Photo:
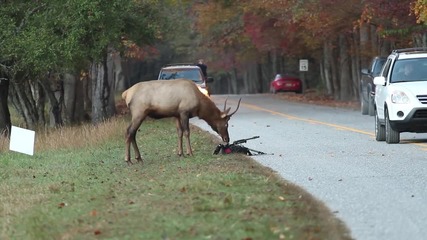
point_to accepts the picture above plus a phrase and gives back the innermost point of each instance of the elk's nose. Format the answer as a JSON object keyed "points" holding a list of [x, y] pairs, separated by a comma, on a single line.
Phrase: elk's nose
{"points": [[226, 139]]}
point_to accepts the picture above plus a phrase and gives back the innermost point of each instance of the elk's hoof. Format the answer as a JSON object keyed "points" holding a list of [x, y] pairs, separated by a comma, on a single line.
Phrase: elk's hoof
{"points": [[129, 162], [139, 159]]}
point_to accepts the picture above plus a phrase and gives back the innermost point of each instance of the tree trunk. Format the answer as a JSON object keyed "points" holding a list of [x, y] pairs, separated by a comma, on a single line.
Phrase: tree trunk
{"points": [[420, 39], [344, 63], [259, 78], [234, 82], [24, 102], [54, 90], [111, 78], [73, 99], [327, 72], [40, 100], [365, 45], [118, 73], [101, 92], [334, 70], [5, 122], [355, 66]]}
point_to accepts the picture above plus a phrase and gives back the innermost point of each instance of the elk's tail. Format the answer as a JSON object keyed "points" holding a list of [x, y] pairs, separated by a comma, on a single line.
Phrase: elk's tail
{"points": [[124, 95]]}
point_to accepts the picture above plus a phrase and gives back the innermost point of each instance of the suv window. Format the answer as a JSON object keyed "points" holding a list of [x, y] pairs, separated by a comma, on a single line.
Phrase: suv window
{"points": [[378, 66], [386, 68], [409, 70]]}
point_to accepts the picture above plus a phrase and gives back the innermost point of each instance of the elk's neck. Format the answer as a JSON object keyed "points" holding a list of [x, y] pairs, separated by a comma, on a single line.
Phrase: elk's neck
{"points": [[209, 112]]}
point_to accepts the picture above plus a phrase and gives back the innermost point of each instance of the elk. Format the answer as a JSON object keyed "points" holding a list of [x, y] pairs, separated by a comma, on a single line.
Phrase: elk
{"points": [[180, 99]]}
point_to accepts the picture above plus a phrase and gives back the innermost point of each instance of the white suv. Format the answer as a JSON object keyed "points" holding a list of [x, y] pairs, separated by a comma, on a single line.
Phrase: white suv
{"points": [[401, 95], [188, 71]]}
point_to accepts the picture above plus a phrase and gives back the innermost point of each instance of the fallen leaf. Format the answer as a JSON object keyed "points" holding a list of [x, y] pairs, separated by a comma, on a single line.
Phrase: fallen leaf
{"points": [[93, 213]]}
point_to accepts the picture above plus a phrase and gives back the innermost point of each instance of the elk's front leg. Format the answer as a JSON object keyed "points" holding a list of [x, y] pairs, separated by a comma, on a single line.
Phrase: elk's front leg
{"points": [[179, 131], [186, 129]]}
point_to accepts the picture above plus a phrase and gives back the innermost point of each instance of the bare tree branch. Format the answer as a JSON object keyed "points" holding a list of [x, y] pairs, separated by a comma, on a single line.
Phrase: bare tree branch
{"points": [[5, 67]]}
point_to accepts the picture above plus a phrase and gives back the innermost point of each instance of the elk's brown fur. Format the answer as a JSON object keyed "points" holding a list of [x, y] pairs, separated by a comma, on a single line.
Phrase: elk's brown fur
{"points": [[180, 99]]}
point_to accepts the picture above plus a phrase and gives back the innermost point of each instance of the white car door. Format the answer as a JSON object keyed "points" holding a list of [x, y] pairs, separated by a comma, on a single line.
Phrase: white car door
{"points": [[380, 88]]}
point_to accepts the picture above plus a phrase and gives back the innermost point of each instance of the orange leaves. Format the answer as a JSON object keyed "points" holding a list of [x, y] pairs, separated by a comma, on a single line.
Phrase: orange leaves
{"points": [[420, 9], [136, 52]]}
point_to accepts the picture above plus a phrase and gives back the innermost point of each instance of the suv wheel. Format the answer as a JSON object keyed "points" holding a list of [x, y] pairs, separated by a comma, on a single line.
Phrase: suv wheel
{"points": [[379, 129], [391, 136], [371, 106], [363, 105]]}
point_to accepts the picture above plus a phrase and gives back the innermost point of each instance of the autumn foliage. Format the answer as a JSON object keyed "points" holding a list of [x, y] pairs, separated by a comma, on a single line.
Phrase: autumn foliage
{"points": [[246, 31]]}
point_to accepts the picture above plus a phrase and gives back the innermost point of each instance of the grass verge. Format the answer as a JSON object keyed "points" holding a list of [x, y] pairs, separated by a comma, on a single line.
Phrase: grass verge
{"points": [[77, 186]]}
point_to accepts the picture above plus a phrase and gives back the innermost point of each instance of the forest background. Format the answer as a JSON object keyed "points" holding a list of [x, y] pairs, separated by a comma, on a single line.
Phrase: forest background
{"points": [[63, 63]]}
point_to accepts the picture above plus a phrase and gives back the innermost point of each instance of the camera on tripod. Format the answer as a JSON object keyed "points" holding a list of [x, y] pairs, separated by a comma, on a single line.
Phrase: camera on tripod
{"points": [[236, 147]]}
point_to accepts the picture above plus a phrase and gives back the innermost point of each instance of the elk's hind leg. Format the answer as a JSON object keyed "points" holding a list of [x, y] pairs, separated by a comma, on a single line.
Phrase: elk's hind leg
{"points": [[131, 139]]}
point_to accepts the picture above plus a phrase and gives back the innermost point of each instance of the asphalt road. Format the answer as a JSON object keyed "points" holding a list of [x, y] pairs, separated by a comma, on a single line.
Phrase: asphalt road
{"points": [[379, 190]]}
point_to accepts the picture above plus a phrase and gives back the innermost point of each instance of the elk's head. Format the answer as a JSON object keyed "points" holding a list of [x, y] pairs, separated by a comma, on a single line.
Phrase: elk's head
{"points": [[221, 125]]}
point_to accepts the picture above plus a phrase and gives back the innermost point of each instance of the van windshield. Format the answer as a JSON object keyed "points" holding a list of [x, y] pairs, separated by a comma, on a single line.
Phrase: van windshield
{"points": [[192, 74]]}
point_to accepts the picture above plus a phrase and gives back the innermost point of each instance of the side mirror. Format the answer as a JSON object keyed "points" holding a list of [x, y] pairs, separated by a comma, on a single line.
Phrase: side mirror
{"points": [[379, 81], [365, 71], [209, 79]]}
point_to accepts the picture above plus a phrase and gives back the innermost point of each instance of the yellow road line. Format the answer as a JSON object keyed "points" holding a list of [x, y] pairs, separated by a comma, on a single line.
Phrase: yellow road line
{"points": [[339, 127], [308, 120]]}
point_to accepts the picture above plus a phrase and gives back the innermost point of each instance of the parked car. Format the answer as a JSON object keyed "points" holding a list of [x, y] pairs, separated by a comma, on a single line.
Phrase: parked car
{"points": [[188, 71], [367, 86], [286, 83], [401, 95]]}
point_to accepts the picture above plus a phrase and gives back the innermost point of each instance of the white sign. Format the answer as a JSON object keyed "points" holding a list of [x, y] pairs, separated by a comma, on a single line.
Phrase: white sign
{"points": [[22, 140], [303, 65]]}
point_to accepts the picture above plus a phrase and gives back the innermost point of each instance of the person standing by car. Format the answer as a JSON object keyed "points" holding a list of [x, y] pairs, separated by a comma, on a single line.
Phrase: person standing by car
{"points": [[203, 67]]}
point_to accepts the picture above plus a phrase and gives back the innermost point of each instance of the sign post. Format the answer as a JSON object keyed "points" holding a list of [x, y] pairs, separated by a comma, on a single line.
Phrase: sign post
{"points": [[303, 68], [303, 65]]}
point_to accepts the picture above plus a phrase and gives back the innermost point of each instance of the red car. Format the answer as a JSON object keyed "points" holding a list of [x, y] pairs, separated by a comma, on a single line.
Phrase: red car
{"points": [[286, 83]]}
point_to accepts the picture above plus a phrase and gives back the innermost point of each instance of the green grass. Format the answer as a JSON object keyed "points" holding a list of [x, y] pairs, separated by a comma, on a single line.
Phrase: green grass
{"points": [[84, 190]]}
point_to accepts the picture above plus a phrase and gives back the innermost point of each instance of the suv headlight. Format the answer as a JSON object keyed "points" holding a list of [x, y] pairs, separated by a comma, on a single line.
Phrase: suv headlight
{"points": [[399, 97]]}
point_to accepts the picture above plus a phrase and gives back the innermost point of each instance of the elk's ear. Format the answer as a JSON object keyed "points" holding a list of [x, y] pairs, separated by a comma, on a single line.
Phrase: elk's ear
{"points": [[225, 113]]}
